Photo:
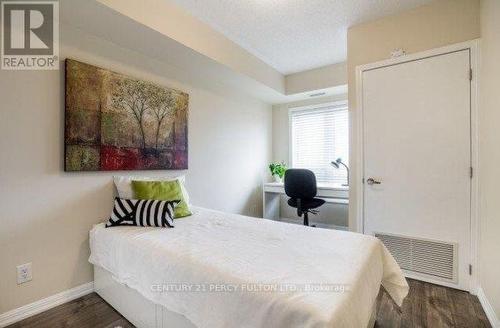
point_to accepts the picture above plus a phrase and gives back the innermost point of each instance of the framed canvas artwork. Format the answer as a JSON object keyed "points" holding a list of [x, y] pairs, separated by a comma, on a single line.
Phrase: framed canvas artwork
{"points": [[117, 122]]}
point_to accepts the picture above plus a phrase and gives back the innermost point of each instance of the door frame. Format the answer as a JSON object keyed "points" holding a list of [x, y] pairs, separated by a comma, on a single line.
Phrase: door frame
{"points": [[473, 47]]}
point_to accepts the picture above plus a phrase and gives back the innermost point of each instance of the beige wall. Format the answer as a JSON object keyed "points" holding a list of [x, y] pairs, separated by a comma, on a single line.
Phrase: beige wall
{"points": [[430, 26], [280, 124], [46, 213], [315, 79], [489, 151]]}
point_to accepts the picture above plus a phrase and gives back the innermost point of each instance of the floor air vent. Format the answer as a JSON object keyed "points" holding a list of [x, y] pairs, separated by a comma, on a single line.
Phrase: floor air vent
{"points": [[434, 258]]}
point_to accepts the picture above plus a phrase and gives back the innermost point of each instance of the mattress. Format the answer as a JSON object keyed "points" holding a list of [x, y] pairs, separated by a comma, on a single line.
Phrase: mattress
{"points": [[226, 270]]}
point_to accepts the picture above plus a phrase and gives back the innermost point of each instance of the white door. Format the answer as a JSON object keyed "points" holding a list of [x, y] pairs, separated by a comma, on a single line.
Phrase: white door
{"points": [[417, 144]]}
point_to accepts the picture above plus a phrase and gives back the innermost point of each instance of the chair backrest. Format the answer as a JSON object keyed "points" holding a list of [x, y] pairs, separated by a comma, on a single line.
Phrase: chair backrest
{"points": [[300, 183]]}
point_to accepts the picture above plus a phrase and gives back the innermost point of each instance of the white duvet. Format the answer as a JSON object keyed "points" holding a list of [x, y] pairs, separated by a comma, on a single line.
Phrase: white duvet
{"points": [[226, 270]]}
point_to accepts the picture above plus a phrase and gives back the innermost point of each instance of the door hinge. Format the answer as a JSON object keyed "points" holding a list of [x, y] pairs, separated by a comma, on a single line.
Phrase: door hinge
{"points": [[471, 172], [470, 74], [470, 269], [363, 180]]}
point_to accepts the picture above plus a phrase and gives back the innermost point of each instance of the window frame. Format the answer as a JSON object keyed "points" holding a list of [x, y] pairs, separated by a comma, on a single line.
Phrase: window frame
{"points": [[337, 105]]}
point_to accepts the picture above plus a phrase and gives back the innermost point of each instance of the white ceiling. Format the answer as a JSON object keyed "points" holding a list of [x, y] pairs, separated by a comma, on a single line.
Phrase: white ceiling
{"points": [[292, 35]]}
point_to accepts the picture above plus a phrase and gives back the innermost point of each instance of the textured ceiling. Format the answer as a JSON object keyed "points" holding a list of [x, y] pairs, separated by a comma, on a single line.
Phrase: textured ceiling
{"points": [[292, 35]]}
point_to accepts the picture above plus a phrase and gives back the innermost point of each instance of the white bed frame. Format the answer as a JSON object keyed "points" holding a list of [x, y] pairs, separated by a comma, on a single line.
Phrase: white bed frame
{"points": [[143, 313], [140, 311]]}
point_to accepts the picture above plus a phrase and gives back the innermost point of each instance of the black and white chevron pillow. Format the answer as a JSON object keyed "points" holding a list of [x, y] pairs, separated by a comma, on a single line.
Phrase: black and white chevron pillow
{"points": [[147, 212]]}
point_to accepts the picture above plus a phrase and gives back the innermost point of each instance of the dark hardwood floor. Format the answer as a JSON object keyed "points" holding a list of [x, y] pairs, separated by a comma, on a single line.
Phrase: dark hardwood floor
{"points": [[89, 311], [427, 305]]}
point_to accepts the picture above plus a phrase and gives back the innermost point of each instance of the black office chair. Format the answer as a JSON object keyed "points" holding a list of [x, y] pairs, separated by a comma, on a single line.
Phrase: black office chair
{"points": [[300, 186]]}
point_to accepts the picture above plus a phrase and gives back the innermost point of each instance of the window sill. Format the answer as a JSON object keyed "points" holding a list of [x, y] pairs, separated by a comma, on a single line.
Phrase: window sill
{"points": [[332, 186], [321, 185]]}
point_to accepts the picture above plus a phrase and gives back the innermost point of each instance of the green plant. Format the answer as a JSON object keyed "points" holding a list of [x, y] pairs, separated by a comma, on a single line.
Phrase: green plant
{"points": [[278, 169]]}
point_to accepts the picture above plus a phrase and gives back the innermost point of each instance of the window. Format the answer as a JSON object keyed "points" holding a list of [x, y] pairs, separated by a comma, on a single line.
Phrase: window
{"points": [[318, 136]]}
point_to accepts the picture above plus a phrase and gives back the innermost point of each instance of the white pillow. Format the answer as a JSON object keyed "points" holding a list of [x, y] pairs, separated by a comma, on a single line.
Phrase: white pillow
{"points": [[123, 185]]}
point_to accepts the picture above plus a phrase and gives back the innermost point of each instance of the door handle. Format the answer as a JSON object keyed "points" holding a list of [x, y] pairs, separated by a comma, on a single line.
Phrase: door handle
{"points": [[372, 181]]}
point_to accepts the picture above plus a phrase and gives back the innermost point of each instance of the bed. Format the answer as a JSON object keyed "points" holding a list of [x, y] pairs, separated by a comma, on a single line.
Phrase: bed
{"points": [[216, 269]]}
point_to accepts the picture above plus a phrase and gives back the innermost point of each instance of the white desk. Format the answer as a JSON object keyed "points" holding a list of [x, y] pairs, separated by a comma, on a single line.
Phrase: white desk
{"points": [[273, 191]]}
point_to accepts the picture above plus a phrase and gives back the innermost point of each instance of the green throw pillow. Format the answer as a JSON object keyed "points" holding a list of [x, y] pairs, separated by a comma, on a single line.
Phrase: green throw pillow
{"points": [[162, 190]]}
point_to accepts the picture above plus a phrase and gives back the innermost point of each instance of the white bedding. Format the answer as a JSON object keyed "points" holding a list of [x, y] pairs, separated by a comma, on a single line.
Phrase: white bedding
{"points": [[224, 270]]}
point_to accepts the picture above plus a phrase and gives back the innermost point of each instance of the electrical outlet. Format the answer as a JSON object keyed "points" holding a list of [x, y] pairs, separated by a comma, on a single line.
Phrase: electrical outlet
{"points": [[24, 273]]}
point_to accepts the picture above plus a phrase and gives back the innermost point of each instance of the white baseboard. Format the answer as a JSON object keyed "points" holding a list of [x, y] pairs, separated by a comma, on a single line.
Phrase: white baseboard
{"points": [[488, 309], [45, 304]]}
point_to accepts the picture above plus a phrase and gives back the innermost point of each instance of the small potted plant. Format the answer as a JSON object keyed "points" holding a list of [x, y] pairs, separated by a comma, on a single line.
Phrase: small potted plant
{"points": [[278, 171]]}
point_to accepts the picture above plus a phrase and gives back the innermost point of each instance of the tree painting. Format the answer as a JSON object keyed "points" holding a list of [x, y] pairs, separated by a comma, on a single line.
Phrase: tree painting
{"points": [[116, 122], [133, 95], [163, 105]]}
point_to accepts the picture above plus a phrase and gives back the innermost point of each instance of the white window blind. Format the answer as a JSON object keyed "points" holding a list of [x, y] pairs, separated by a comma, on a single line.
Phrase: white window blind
{"points": [[319, 136]]}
